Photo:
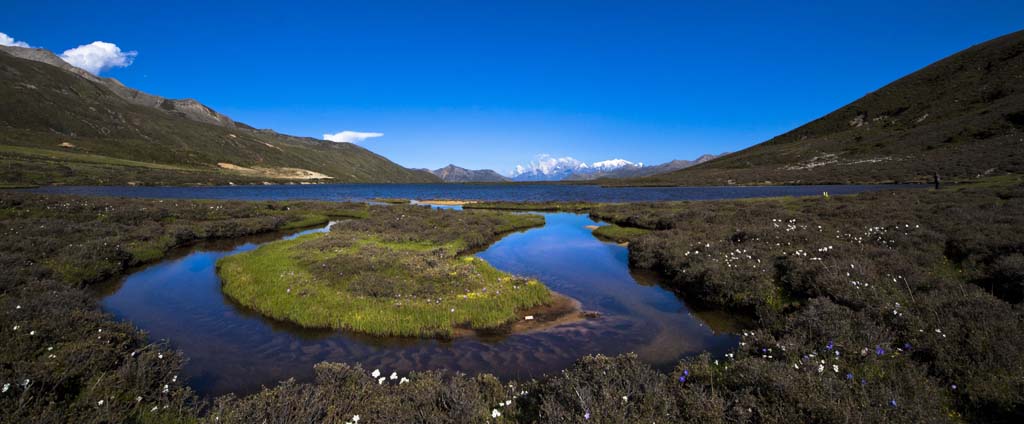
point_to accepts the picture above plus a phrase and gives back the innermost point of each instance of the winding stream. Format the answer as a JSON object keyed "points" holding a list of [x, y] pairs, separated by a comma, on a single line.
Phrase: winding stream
{"points": [[232, 349]]}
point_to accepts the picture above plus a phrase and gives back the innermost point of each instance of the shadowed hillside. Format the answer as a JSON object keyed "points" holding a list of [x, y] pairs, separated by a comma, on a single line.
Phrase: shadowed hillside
{"points": [[62, 125], [962, 117]]}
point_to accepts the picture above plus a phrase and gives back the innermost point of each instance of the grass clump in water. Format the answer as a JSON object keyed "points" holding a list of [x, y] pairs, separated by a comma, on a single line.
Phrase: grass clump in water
{"points": [[619, 234], [402, 271]]}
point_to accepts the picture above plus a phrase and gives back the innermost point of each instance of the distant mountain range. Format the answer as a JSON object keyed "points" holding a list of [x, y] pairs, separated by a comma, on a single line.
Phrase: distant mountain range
{"points": [[455, 174], [961, 117], [62, 125], [547, 168], [636, 171]]}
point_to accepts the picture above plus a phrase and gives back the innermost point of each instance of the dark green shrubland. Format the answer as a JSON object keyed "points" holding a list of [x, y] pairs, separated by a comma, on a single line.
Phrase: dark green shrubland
{"points": [[928, 278]]}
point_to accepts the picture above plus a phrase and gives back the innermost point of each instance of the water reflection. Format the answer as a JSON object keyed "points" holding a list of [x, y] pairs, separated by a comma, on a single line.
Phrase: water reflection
{"points": [[232, 349]]}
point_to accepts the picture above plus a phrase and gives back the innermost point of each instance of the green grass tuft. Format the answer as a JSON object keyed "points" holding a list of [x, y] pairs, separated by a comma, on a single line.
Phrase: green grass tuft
{"points": [[619, 234]]}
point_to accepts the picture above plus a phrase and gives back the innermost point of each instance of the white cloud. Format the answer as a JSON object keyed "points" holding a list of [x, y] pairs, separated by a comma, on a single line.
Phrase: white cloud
{"points": [[7, 40], [98, 56], [351, 136]]}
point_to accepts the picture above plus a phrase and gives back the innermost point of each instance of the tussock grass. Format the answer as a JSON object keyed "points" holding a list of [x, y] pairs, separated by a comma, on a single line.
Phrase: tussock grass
{"points": [[619, 234], [392, 200]]}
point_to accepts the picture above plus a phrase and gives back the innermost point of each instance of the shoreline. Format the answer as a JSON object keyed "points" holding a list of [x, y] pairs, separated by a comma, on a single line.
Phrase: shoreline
{"points": [[561, 310]]}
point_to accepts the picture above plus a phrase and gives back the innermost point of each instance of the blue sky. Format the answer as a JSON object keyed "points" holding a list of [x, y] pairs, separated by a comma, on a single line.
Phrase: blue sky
{"points": [[489, 84]]}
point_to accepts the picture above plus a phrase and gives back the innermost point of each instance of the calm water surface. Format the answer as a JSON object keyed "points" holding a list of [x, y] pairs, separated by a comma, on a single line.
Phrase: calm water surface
{"points": [[508, 192], [232, 349]]}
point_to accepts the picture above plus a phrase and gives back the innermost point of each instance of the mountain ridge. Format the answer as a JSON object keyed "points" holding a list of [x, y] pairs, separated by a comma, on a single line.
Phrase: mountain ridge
{"points": [[457, 174], [189, 108], [61, 125]]}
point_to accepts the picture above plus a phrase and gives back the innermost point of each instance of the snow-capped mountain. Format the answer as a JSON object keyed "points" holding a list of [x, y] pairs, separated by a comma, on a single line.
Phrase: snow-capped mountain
{"points": [[549, 168], [613, 164]]}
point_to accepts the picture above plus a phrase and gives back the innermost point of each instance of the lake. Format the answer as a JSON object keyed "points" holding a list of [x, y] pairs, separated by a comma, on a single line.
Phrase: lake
{"points": [[489, 192]]}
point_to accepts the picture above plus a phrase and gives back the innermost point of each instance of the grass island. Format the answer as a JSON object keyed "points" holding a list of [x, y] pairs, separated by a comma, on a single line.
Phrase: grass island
{"points": [[402, 271]]}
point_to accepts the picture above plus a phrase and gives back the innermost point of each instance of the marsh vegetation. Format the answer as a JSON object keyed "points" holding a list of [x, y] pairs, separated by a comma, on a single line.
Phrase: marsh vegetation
{"points": [[892, 306]]}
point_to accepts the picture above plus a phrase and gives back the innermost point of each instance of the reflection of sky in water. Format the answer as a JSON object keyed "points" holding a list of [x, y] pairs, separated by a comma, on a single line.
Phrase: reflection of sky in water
{"points": [[232, 349]]}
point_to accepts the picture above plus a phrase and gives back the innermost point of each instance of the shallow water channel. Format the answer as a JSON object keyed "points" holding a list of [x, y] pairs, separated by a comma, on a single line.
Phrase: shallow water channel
{"points": [[233, 349]]}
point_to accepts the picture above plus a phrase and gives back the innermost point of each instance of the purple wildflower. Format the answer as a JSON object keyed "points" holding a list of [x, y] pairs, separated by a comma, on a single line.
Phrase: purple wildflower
{"points": [[893, 403], [849, 376], [586, 416], [879, 351], [829, 346]]}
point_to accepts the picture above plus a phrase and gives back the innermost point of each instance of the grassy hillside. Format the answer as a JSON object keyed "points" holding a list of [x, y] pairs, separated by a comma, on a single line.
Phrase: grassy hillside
{"points": [[962, 117], [59, 127]]}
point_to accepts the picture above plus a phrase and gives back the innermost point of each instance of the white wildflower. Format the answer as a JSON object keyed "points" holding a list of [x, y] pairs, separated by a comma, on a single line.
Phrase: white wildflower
{"points": [[394, 376], [403, 380], [375, 373], [100, 403], [495, 413]]}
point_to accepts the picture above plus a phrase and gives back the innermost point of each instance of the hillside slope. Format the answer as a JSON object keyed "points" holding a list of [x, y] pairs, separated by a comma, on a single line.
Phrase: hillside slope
{"points": [[60, 126], [456, 174], [962, 117]]}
